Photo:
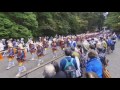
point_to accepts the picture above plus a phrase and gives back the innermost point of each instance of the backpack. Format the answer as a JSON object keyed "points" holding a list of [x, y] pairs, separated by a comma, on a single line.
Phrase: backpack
{"points": [[70, 69]]}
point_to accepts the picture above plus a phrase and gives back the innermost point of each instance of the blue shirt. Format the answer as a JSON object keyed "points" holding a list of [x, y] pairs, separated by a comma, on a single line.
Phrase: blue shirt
{"points": [[63, 62], [110, 42], [94, 65], [73, 44]]}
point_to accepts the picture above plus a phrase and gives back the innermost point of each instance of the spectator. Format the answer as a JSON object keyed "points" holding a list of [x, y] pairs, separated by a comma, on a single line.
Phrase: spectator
{"points": [[68, 64], [91, 75], [76, 55], [94, 64], [102, 57], [49, 71], [59, 73]]}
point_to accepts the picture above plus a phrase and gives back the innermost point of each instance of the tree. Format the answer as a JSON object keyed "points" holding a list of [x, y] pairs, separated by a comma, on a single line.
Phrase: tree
{"points": [[113, 21]]}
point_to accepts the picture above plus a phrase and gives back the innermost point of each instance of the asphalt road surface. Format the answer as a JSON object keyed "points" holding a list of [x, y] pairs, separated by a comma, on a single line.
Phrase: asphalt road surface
{"points": [[114, 62], [11, 73]]}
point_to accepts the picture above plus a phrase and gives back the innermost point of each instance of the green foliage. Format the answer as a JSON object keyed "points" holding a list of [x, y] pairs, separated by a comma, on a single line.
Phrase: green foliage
{"points": [[113, 20], [35, 24]]}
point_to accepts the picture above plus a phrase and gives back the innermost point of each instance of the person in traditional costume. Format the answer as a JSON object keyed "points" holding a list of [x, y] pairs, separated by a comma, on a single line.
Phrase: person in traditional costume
{"points": [[10, 55], [21, 58], [32, 50], [54, 47], [45, 45], [62, 44], [1, 50], [39, 52]]}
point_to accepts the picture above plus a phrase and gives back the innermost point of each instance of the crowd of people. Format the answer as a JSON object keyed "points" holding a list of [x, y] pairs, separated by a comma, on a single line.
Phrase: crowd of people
{"points": [[85, 54], [84, 58]]}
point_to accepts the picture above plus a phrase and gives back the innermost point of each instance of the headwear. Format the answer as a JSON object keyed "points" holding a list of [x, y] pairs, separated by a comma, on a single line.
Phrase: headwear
{"points": [[62, 39], [20, 46], [44, 39], [54, 39], [31, 42], [10, 44], [40, 44]]}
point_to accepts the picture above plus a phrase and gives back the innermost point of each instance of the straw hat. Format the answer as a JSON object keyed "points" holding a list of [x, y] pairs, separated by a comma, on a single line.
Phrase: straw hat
{"points": [[44, 39], [31, 42], [54, 39], [62, 39], [20, 46], [10, 45]]}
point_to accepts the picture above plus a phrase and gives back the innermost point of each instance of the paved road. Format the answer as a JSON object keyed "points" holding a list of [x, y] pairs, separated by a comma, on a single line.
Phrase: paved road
{"points": [[114, 63], [29, 65]]}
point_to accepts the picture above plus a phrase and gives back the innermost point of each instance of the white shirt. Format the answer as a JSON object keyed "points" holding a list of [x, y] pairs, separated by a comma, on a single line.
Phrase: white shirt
{"points": [[1, 47]]}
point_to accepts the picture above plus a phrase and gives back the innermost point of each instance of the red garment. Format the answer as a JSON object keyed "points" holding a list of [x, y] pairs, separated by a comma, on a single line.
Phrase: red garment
{"points": [[32, 48], [40, 50], [19, 55], [54, 46], [62, 44]]}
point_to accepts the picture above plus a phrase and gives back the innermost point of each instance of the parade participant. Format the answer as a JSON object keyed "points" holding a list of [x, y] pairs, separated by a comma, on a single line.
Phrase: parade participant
{"points": [[45, 45], [21, 57], [1, 56], [32, 49], [22, 41], [54, 47], [10, 55], [15, 46], [27, 46], [62, 44], [40, 53], [1, 46], [1, 49], [68, 41]]}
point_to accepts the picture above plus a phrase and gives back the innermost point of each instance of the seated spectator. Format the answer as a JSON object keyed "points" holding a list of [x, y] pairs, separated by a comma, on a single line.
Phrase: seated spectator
{"points": [[59, 73], [49, 71]]}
